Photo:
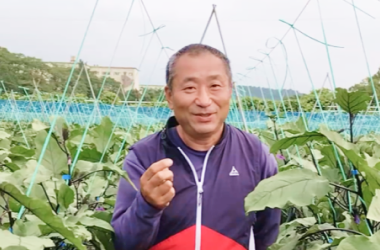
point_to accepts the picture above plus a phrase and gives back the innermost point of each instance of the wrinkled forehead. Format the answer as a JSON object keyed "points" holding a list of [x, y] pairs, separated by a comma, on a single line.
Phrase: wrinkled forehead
{"points": [[171, 66]]}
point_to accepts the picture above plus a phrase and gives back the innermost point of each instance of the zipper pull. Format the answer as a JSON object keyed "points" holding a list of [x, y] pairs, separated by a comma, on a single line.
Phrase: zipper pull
{"points": [[200, 192]]}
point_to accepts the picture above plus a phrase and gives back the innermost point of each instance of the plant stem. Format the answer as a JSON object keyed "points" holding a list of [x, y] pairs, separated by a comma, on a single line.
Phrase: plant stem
{"points": [[342, 187], [64, 150], [11, 220], [84, 176], [351, 117], [59, 144], [313, 158], [315, 162], [276, 135], [360, 193], [77, 195], [331, 229], [47, 196]]}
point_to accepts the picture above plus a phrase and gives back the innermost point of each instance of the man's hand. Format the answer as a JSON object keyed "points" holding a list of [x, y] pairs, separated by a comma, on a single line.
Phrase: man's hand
{"points": [[157, 184]]}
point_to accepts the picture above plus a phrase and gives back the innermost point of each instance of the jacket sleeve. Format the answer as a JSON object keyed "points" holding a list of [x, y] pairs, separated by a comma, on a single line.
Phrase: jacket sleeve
{"points": [[135, 221], [268, 221]]}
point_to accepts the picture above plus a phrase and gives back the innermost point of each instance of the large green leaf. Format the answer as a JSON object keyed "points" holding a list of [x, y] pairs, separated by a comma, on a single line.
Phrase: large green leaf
{"points": [[22, 151], [15, 248], [12, 241], [332, 174], [96, 186], [318, 246], [26, 174], [329, 158], [290, 244], [336, 138], [95, 222], [374, 208], [89, 154], [288, 236], [76, 135], [104, 237], [43, 211], [4, 135], [11, 166], [304, 163], [102, 134], [299, 140], [60, 126], [54, 158], [83, 168], [65, 195], [121, 172], [5, 144], [37, 125], [297, 186], [297, 127], [26, 228], [357, 242], [372, 175], [3, 155], [352, 102], [267, 137]]}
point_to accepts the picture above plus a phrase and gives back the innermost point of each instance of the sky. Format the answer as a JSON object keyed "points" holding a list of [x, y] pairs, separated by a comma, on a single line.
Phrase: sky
{"points": [[54, 30]]}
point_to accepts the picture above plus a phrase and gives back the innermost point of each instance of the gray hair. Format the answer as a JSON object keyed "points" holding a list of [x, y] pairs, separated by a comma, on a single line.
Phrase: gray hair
{"points": [[194, 49]]}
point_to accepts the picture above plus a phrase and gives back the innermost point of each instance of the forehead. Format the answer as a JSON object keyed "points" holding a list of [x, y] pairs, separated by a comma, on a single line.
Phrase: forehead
{"points": [[199, 62]]}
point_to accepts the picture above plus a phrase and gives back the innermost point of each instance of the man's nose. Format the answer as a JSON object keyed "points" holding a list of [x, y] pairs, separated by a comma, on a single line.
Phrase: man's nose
{"points": [[203, 98]]}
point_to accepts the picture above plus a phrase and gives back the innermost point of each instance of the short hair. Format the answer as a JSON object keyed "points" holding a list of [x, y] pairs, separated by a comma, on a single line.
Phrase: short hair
{"points": [[194, 49]]}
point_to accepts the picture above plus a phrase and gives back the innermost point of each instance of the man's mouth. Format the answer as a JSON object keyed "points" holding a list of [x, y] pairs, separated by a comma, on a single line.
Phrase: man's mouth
{"points": [[204, 115]]}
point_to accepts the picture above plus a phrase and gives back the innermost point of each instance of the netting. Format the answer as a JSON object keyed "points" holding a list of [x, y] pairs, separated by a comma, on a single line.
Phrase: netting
{"points": [[122, 116], [272, 76]]}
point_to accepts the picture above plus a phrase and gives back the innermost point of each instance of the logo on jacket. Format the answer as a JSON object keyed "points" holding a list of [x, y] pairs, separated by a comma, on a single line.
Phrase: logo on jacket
{"points": [[234, 172]]}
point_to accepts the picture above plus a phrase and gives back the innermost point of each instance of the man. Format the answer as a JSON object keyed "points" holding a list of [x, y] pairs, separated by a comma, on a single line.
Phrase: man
{"points": [[193, 175]]}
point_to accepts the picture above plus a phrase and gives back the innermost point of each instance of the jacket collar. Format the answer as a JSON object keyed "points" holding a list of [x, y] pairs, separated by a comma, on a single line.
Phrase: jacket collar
{"points": [[172, 122]]}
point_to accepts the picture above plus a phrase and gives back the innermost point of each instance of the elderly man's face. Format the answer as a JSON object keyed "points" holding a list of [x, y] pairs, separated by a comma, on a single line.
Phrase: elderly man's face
{"points": [[200, 94]]}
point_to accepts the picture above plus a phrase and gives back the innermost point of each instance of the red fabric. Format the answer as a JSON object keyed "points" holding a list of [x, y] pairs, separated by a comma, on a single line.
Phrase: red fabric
{"points": [[185, 240]]}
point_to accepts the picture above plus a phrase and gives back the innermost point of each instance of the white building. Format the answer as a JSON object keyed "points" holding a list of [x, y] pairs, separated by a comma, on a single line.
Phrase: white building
{"points": [[127, 76]]}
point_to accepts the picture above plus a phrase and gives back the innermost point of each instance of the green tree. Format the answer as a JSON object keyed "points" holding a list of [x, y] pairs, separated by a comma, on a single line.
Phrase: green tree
{"points": [[18, 70], [366, 85]]}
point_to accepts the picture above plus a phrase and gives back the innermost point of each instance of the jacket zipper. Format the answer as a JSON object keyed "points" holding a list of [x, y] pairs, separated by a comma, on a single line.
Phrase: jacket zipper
{"points": [[198, 221]]}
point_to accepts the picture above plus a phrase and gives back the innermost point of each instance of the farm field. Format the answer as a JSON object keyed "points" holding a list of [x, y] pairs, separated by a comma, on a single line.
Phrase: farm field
{"points": [[60, 195], [76, 91]]}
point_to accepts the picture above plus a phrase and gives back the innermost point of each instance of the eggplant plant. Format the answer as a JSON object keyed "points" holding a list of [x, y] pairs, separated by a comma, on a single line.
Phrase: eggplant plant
{"points": [[333, 188], [67, 202]]}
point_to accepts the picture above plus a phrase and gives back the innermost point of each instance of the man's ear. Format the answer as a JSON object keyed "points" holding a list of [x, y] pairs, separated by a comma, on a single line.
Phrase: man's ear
{"points": [[169, 95]]}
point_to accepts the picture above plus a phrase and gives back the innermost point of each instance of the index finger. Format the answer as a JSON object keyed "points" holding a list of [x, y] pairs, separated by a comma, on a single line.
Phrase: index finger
{"points": [[157, 167]]}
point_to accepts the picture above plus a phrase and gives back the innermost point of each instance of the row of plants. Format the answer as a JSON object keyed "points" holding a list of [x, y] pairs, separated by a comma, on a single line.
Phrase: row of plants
{"points": [[70, 204], [327, 185], [155, 98]]}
